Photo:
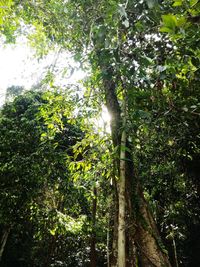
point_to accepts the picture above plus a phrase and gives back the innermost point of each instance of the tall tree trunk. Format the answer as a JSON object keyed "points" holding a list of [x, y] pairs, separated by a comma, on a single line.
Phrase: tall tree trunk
{"points": [[122, 205], [50, 251], [4, 241], [145, 236], [148, 240], [175, 251], [114, 219], [93, 256], [108, 244]]}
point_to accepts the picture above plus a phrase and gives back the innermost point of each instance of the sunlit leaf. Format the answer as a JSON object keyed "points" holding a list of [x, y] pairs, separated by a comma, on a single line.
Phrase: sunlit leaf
{"points": [[178, 3], [193, 2], [169, 21]]}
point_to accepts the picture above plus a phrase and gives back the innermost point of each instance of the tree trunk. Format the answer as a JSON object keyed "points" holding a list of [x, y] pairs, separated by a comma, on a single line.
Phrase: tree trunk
{"points": [[93, 257], [145, 237], [50, 250], [114, 219], [4, 241], [175, 252], [148, 241], [108, 244], [122, 205]]}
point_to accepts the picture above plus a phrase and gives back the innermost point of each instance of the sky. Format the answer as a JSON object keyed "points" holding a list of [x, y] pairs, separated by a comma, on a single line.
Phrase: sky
{"points": [[19, 66]]}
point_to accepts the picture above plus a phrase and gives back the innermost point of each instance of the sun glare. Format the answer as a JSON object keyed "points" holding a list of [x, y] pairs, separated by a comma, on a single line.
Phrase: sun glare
{"points": [[19, 66], [105, 115], [103, 122]]}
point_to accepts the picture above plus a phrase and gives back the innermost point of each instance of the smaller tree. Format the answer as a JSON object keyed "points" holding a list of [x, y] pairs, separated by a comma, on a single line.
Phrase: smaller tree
{"points": [[13, 91], [39, 201]]}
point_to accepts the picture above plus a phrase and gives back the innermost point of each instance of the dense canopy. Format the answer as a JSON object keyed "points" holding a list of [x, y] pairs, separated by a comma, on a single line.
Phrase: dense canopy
{"points": [[75, 192]]}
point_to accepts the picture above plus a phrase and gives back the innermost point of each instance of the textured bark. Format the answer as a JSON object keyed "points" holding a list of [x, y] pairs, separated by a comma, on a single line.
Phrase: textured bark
{"points": [[147, 238], [112, 105], [116, 124]]}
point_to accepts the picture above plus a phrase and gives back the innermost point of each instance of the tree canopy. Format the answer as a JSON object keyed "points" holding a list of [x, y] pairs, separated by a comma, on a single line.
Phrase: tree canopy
{"points": [[131, 195]]}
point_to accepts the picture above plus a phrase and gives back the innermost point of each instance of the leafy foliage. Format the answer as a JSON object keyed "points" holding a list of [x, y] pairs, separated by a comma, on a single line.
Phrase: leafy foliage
{"points": [[38, 191], [149, 51]]}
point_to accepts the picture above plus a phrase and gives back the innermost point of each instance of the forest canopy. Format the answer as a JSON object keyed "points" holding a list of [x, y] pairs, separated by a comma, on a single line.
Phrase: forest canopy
{"points": [[72, 191]]}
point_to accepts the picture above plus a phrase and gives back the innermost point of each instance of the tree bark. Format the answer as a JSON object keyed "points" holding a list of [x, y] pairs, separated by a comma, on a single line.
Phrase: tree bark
{"points": [[122, 205], [4, 241], [93, 256], [145, 239], [114, 218], [108, 244], [175, 252]]}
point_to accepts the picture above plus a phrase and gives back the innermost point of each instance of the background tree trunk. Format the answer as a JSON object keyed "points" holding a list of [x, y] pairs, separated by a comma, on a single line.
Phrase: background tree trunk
{"points": [[4, 241], [122, 205], [93, 256], [114, 215]]}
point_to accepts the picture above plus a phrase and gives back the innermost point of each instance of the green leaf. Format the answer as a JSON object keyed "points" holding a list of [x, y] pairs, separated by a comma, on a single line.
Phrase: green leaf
{"points": [[181, 21], [125, 148], [177, 3], [193, 2], [43, 134], [169, 21], [139, 26], [52, 232], [165, 29], [185, 109], [193, 106]]}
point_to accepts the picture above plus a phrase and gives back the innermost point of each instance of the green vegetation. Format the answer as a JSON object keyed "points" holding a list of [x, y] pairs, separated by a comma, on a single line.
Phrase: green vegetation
{"points": [[75, 194]]}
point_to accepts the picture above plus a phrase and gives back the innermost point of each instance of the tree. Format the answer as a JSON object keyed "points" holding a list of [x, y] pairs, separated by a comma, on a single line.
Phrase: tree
{"points": [[142, 72], [112, 81], [108, 36], [13, 91], [36, 189]]}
